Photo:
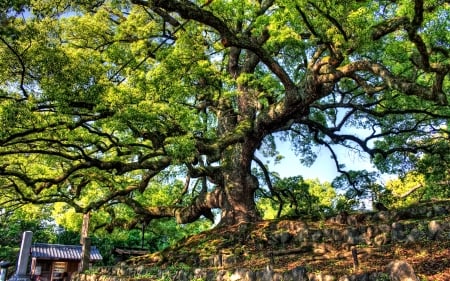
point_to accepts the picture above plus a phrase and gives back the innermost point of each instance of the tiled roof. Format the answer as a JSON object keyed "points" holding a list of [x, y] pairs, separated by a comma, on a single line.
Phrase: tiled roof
{"points": [[63, 252]]}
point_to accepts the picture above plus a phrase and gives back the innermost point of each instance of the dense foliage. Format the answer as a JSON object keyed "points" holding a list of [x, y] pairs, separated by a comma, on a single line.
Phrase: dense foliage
{"points": [[140, 110]]}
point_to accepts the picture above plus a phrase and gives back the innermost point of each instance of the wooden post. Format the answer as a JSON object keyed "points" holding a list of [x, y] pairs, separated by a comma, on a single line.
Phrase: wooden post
{"points": [[355, 258]]}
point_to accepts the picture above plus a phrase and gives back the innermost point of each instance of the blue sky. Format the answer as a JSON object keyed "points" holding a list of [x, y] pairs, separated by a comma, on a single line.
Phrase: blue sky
{"points": [[323, 169]]}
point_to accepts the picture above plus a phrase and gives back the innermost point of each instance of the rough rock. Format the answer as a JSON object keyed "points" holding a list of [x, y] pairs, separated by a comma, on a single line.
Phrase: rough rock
{"points": [[401, 271]]}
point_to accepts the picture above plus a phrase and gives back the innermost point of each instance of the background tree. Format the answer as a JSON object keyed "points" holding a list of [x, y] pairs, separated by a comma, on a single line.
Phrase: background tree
{"points": [[13, 222], [406, 190], [100, 101], [360, 188], [296, 197], [423, 176]]}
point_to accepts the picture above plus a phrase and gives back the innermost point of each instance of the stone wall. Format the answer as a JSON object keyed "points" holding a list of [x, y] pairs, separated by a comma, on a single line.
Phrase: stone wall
{"points": [[341, 235], [241, 274]]}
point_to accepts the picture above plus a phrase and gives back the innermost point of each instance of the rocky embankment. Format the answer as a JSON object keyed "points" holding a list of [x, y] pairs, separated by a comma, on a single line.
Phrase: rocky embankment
{"points": [[362, 246]]}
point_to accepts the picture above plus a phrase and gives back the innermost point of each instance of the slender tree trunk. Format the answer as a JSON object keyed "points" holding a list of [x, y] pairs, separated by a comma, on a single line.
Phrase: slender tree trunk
{"points": [[85, 254], [85, 227], [85, 243]]}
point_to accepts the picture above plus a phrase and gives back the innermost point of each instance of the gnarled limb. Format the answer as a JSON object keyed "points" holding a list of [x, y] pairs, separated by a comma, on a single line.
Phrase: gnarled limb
{"points": [[201, 206], [394, 82]]}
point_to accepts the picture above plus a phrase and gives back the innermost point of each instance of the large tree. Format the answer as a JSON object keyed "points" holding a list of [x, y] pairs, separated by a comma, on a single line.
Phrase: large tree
{"points": [[100, 102]]}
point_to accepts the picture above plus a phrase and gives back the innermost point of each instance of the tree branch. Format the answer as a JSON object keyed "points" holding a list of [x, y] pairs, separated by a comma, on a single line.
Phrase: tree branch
{"points": [[388, 26], [409, 88], [269, 184], [331, 19], [202, 205], [189, 10], [22, 66]]}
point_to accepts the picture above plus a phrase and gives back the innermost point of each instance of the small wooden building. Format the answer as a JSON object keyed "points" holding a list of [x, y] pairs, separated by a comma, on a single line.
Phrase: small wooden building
{"points": [[54, 262]]}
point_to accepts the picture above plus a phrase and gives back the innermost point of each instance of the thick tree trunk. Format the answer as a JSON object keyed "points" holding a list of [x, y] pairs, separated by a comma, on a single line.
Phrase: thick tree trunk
{"points": [[239, 205], [239, 186]]}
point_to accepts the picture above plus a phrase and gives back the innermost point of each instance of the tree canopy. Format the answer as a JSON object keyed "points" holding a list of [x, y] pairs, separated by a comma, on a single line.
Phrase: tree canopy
{"points": [[155, 108]]}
